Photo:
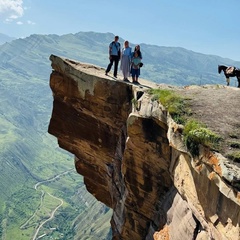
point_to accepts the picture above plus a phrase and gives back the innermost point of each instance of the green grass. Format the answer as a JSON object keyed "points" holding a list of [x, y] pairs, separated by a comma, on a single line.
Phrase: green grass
{"points": [[196, 133], [234, 144], [235, 156], [233, 135], [66, 187], [175, 104]]}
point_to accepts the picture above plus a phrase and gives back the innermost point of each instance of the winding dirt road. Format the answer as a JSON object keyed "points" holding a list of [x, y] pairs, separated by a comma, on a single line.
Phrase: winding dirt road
{"points": [[50, 218], [24, 226]]}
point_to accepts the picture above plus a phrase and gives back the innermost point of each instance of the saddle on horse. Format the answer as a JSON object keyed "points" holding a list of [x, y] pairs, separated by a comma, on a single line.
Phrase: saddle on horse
{"points": [[230, 70]]}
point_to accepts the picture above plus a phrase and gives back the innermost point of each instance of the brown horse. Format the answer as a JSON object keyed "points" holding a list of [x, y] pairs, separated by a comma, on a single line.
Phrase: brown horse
{"points": [[230, 72]]}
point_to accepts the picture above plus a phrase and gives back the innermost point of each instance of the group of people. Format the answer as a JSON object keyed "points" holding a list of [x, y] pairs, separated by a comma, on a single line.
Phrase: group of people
{"points": [[130, 60]]}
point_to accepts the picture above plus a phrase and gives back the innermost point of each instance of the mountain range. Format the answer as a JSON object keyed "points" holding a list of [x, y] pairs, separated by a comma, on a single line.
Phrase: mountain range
{"points": [[5, 38], [28, 153]]}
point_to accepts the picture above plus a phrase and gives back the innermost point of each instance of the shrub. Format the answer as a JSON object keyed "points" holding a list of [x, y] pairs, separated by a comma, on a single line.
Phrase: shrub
{"points": [[196, 133]]}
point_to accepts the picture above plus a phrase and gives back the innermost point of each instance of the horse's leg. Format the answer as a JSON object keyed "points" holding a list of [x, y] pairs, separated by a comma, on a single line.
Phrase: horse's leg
{"points": [[238, 78], [228, 80]]}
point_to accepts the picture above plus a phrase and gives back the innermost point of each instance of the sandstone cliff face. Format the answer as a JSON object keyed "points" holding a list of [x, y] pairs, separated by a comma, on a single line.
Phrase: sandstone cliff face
{"points": [[133, 160]]}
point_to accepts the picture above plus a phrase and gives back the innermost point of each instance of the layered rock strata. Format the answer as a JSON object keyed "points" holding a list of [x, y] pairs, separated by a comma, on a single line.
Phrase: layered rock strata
{"points": [[132, 158]]}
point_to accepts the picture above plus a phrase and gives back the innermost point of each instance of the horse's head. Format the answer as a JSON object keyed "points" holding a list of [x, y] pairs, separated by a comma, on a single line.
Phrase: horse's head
{"points": [[221, 68]]}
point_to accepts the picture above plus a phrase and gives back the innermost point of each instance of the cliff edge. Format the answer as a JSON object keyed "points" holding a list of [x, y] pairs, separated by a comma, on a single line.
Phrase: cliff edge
{"points": [[132, 157]]}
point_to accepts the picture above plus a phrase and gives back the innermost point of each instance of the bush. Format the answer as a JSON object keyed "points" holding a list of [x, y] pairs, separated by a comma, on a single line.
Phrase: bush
{"points": [[195, 134]]}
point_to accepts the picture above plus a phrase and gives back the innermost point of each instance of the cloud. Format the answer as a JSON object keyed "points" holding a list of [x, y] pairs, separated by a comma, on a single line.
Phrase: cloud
{"points": [[11, 9], [30, 22]]}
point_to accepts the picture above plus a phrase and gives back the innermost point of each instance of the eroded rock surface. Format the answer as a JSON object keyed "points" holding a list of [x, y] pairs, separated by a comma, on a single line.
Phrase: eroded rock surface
{"points": [[132, 157]]}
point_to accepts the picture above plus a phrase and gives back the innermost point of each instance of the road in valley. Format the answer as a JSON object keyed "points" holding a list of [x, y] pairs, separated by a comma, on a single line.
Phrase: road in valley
{"points": [[24, 226]]}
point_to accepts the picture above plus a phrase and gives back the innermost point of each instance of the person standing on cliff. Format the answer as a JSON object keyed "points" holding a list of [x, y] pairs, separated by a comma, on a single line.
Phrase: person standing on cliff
{"points": [[137, 49], [126, 56], [114, 56], [136, 61]]}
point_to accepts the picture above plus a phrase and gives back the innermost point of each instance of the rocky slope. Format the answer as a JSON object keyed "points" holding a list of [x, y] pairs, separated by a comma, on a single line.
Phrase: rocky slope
{"points": [[132, 157]]}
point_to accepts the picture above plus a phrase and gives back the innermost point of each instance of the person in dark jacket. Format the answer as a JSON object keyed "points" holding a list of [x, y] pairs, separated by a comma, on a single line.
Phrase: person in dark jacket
{"points": [[114, 56]]}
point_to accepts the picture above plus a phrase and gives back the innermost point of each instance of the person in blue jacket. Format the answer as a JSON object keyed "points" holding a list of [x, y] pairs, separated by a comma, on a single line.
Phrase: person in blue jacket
{"points": [[114, 56]]}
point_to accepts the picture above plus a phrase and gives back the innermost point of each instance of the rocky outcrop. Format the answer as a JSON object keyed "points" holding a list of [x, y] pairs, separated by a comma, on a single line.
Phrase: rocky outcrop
{"points": [[132, 157]]}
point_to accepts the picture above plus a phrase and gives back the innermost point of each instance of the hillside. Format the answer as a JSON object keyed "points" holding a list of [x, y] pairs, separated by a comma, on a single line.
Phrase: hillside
{"points": [[171, 65], [28, 152], [4, 38]]}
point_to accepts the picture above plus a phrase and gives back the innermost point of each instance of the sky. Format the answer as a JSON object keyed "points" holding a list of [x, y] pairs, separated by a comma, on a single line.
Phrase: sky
{"points": [[204, 26]]}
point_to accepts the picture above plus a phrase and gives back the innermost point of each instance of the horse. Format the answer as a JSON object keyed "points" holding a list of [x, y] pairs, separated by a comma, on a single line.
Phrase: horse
{"points": [[230, 72]]}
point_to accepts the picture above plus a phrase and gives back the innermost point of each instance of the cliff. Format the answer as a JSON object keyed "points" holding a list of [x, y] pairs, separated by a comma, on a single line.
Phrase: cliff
{"points": [[132, 157]]}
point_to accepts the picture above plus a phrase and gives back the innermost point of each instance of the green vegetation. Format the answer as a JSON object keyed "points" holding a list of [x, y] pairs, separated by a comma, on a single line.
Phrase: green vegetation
{"points": [[136, 104], [195, 133], [233, 135], [174, 103], [235, 144], [29, 208], [235, 156], [28, 153]]}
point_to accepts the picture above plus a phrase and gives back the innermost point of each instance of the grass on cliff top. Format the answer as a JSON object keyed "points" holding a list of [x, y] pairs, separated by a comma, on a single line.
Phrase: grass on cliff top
{"points": [[195, 133], [174, 103], [235, 156]]}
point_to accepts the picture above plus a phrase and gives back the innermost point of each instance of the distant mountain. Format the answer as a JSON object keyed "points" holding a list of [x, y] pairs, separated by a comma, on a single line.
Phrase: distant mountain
{"points": [[179, 66], [171, 65], [4, 38], [28, 152]]}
